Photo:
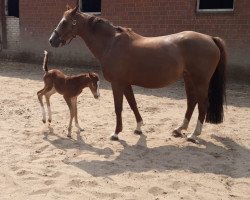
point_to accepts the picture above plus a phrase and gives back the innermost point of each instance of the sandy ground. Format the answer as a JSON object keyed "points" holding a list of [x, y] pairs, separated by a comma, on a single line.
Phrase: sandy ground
{"points": [[38, 162]]}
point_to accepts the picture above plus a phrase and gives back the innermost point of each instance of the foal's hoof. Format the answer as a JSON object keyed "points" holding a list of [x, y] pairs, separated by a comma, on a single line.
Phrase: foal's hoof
{"points": [[69, 136], [114, 137], [44, 121], [136, 132], [49, 120], [176, 134]]}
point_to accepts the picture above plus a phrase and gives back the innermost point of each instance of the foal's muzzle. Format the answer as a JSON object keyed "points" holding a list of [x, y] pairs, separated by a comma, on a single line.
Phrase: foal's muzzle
{"points": [[96, 96]]}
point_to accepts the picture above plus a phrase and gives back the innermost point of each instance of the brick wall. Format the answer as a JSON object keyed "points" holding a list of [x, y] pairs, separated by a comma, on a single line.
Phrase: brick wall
{"points": [[13, 33], [38, 19], [147, 17]]}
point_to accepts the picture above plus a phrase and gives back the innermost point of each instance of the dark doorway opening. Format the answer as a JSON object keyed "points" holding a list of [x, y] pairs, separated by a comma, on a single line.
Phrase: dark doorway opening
{"points": [[216, 4], [93, 6], [13, 8]]}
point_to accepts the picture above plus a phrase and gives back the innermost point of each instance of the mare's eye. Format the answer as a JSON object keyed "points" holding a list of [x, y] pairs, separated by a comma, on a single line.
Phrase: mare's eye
{"points": [[64, 22]]}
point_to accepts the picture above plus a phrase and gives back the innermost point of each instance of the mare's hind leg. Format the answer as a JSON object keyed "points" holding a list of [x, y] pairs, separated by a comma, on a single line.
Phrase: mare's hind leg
{"points": [[191, 103], [129, 94], [202, 98]]}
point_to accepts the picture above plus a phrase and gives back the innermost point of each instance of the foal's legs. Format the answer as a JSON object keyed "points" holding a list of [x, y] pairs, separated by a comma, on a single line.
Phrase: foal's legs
{"points": [[129, 94], [40, 98], [202, 97], [191, 102], [74, 103], [72, 114], [47, 97], [118, 91]]}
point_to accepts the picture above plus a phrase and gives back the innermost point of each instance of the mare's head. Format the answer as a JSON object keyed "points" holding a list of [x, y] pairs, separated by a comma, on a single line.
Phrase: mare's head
{"points": [[94, 84], [66, 30]]}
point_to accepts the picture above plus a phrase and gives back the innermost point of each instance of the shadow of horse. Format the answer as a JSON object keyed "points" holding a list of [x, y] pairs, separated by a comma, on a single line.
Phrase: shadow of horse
{"points": [[68, 143], [206, 158]]}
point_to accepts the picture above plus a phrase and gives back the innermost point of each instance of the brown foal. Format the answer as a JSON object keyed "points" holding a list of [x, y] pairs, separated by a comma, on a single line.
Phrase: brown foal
{"points": [[68, 86]]}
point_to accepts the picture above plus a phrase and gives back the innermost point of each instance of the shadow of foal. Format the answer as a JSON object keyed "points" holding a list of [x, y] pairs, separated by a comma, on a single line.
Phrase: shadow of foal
{"points": [[68, 143]]}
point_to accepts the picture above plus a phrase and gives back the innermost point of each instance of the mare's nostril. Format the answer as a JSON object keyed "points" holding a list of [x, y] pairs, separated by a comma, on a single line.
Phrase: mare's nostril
{"points": [[50, 41]]}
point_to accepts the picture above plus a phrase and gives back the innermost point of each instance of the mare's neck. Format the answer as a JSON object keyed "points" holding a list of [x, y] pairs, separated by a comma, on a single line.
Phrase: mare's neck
{"points": [[97, 42]]}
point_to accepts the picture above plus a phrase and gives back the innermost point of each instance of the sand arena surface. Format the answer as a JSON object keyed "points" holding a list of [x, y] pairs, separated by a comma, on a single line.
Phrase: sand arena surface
{"points": [[38, 162]]}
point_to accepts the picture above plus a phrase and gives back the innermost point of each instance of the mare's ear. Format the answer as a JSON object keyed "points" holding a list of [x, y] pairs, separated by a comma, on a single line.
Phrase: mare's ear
{"points": [[68, 7], [73, 12]]}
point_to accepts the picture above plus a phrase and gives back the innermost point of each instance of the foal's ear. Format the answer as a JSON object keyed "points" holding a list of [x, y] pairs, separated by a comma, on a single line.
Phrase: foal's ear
{"points": [[93, 75]]}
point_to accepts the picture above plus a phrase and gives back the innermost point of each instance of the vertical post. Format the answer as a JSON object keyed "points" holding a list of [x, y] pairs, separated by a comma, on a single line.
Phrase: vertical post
{"points": [[3, 24], [80, 5]]}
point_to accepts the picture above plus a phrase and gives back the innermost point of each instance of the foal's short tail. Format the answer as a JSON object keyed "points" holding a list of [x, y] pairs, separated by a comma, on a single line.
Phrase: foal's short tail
{"points": [[217, 87], [45, 61]]}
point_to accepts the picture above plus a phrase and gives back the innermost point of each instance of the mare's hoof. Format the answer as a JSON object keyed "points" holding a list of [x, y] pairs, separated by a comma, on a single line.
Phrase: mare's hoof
{"points": [[80, 129], [69, 136], [114, 137], [44, 121], [176, 134], [193, 140], [49, 120], [137, 132]]}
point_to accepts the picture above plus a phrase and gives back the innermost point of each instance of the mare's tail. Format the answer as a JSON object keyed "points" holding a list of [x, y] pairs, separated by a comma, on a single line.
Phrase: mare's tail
{"points": [[217, 87]]}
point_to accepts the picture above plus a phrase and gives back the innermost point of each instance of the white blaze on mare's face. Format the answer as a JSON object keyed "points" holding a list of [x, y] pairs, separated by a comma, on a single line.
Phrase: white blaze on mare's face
{"points": [[63, 19]]}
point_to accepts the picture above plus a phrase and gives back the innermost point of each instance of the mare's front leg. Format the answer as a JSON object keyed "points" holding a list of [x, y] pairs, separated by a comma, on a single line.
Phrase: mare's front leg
{"points": [[118, 90], [129, 94]]}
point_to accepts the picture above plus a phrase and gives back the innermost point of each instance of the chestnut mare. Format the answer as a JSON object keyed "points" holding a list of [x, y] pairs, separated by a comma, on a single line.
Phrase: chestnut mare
{"points": [[128, 58]]}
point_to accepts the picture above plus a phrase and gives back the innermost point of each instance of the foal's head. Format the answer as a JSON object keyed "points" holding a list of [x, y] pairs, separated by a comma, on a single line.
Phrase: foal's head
{"points": [[94, 84], [66, 30]]}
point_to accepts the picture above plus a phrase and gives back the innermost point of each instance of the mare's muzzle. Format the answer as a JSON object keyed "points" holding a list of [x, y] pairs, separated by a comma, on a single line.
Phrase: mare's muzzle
{"points": [[55, 40]]}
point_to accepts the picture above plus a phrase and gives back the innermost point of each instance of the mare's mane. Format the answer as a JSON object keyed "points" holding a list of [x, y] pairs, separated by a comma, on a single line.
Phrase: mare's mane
{"points": [[96, 23]]}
